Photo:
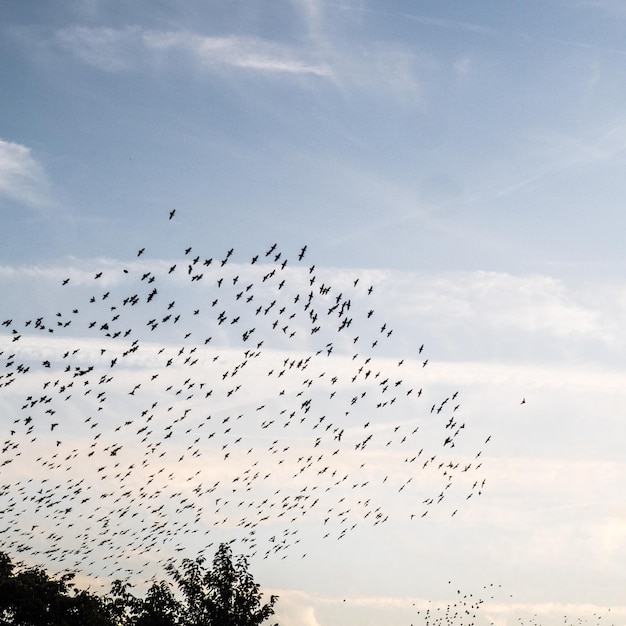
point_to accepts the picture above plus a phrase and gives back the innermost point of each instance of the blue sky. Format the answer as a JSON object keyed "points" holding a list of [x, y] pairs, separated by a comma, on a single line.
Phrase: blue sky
{"points": [[464, 158]]}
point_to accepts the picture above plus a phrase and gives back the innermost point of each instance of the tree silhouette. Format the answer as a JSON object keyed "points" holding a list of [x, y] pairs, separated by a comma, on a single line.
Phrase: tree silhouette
{"points": [[30, 597], [159, 608], [225, 595]]}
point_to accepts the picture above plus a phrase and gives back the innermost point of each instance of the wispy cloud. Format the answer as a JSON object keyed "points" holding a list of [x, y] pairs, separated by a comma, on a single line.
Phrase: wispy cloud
{"points": [[22, 178], [382, 68], [108, 49], [125, 49], [240, 52]]}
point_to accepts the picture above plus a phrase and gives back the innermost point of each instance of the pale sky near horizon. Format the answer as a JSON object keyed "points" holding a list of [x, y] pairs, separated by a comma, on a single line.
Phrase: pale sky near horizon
{"points": [[465, 159]]}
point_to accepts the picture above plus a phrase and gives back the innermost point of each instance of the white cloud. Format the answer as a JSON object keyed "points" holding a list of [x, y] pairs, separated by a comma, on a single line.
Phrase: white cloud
{"points": [[21, 177], [488, 308], [471, 317], [524, 330]]}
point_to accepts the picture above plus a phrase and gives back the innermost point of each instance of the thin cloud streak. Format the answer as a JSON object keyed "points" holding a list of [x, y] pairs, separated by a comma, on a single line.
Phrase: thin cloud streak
{"points": [[421, 19], [239, 52], [552, 154], [117, 50]]}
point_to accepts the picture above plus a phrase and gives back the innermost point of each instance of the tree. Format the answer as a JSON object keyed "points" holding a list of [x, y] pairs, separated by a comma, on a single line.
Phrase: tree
{"points": [[30, 597], [122, 604], [225, 595], [159, 608]]}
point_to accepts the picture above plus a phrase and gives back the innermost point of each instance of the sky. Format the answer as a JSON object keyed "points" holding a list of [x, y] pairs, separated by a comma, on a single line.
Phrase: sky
{"points": [[464, 160]]}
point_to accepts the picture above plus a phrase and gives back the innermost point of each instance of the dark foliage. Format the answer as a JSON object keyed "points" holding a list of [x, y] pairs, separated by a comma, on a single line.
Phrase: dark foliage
{"points": [[225, 595], [30, 597]]}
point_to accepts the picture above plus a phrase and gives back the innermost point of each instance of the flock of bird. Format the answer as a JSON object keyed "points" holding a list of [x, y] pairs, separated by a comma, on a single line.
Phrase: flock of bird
{"points": [[165, 406], [491, 606]]}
